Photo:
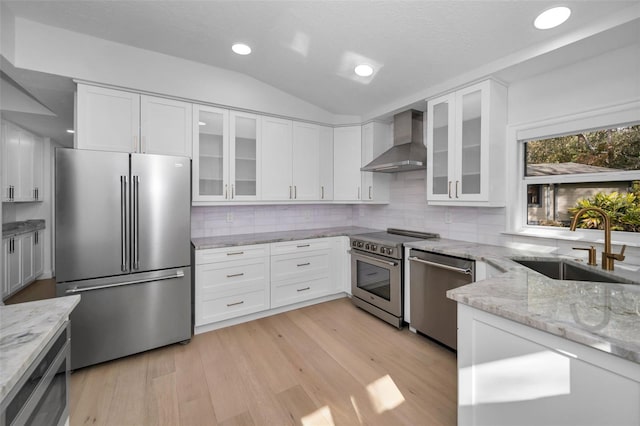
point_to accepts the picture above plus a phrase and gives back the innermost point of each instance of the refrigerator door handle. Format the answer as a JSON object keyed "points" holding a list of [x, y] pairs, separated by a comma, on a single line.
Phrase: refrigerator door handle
{"points": [[135, 222], [178, 274], [123, 222]]}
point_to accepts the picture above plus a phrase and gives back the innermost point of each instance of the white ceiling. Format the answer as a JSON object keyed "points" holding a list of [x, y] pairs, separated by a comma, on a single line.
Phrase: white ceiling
{"points": [[309, 48]]}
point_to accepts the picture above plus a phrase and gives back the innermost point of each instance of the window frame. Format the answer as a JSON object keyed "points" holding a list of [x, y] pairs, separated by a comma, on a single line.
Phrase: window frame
{"points": [[619, 115]]}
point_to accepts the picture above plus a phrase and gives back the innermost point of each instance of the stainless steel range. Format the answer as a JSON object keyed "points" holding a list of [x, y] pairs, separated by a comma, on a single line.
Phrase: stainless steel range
{"points": [[377, 271]]}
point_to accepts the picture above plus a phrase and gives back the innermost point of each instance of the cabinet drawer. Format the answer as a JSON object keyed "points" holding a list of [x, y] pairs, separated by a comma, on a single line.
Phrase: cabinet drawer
{"points": [[299, 266], [286, 294], [215, 276], [230, 306], [300, 246], [231, 253]]}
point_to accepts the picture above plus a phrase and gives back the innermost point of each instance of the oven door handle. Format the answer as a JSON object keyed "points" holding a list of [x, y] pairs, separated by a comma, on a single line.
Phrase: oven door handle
{"points": [[441, 266], [373, 259]]}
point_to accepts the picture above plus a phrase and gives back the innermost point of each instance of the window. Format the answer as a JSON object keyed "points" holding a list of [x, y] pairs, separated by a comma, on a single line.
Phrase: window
{"points": [[593, 168]]}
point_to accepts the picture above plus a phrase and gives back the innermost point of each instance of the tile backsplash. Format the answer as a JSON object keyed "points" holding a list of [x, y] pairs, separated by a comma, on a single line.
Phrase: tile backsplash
{"points": [[407, 209]]}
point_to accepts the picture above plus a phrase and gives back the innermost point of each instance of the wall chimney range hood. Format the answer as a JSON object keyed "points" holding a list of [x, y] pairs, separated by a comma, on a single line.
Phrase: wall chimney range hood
{"points": [[408, 151]]}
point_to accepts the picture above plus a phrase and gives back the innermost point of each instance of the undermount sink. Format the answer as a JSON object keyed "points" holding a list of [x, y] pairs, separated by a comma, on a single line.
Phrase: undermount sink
{"points": [[559, 269]]}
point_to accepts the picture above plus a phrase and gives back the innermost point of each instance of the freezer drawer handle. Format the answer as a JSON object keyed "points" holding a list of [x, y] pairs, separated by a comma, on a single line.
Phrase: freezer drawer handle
{"points": [[304, 264], [178, 274], [303, 245], [303, 289], [465, 271]]}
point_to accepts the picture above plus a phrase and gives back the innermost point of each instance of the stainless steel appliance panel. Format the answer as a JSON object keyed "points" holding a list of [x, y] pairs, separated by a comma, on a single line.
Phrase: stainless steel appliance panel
{"points": [[133, 314], [160, 211], [91, 214], [431, 276], [377, 280]]}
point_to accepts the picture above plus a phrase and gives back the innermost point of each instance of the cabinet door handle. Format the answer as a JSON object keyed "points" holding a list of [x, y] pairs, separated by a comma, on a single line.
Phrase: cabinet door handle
{"points": [[235, 304], [303, 289], [235, 253], [304, 264], [295, 192], [290, 191], [233, 191], [322, 192], [449, 189], [235, 275], [371, 198], [303, 245], [358, 193], [226, 191], [457, 183]]}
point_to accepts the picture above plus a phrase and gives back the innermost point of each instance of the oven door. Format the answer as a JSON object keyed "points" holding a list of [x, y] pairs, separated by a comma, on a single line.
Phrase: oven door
{"points": [[377, 280]]}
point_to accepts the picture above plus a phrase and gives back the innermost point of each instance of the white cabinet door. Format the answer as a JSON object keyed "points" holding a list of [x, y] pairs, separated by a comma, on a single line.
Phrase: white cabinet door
{"points": [[26, 258], [245, 148], [25, 191], [347, 153], [107, 119], [38, 253], [465, 139], [165, 126], [306, 161], [11, 248], [210, 173], [38, 169], [326, 163], [10, 161], [276, 161], [376, 139]]}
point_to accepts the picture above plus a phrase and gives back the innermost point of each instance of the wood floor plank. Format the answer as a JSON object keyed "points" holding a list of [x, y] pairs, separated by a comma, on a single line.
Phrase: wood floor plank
{"points": [[330, 363]]}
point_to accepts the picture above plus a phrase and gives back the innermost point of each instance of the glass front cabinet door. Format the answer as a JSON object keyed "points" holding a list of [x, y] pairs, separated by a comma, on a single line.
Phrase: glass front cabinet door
{"points": [[225, 148], [466, 145]]}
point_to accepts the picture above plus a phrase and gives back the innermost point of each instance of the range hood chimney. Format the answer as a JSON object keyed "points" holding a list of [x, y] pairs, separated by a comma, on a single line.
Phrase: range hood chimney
{"points": [[408, 151]]}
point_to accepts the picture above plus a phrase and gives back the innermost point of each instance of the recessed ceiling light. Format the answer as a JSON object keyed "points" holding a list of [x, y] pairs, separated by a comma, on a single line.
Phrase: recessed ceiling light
{"points": [[201, 123], [551, 18], [364, 70], [241, 49], [70, 131]]}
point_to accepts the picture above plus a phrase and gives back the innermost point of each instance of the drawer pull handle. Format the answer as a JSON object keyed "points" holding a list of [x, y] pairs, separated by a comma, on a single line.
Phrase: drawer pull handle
{"points": [[235, 275], [304, 264], [303, 289], [371, 274], [304, 245], [235, 253], [235, 304]]}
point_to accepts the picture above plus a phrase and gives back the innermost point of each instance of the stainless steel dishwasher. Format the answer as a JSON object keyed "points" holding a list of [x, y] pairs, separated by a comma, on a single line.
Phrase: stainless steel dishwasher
{"points": [[431, 276]]}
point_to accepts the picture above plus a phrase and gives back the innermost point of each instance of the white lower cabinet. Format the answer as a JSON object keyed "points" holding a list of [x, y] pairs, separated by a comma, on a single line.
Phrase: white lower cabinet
{"points": [[509, 373], [231, 282], [22, 261]]}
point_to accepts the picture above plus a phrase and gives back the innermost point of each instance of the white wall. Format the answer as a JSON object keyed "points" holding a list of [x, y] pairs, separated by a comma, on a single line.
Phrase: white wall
{"points": [[57, 51], [7, 32]]}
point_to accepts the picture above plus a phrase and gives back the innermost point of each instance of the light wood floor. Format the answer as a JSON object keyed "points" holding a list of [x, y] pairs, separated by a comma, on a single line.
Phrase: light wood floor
{"points": [[326, 364]]}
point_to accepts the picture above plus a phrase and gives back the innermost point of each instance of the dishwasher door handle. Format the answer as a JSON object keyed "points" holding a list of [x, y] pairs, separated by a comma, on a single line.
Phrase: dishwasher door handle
{"points": [[440, 265]]}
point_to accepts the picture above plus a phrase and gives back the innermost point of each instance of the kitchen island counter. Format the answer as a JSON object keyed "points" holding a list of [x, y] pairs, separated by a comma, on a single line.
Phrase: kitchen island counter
{"points": [[274, 237], [25, 330], [604, 316]]}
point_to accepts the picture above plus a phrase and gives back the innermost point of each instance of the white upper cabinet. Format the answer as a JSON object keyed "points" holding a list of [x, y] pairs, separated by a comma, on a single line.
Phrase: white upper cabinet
{"points": [[165, 126], [276, 161], [347, 157], [326, 163], [116, 120], [466, 146], [22, 164], [376, 139], [306, 161], [226, 148]]}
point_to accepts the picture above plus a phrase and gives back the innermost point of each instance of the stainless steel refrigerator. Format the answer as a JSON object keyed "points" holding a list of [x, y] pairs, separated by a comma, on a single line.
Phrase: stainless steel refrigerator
{"points": [[123, 238]]}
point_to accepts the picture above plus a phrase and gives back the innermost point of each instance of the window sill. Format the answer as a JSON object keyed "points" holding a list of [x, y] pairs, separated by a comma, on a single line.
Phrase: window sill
{"points": [[590, 236]]}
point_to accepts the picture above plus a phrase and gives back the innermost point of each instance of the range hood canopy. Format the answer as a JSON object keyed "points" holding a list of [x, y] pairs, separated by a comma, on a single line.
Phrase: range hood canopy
{"points": [[408, 151]]}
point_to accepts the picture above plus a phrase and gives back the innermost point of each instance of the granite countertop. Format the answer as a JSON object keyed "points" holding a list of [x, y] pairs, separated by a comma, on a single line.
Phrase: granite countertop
{"points": [[605, 316], [13, 229], [25, 330], [274, 237]]}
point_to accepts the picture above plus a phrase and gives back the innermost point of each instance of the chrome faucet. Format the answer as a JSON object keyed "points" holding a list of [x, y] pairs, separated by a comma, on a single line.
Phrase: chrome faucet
{"points": [[607, 257]]}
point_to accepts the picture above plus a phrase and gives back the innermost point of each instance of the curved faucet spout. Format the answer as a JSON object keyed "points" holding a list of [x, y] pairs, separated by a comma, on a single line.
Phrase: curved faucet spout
{"points": [[607, 259]]}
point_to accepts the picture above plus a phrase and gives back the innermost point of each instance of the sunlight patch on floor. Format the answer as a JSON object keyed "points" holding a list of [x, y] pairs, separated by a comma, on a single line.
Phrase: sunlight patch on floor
{"points": [[384, 394], [321, 417]]}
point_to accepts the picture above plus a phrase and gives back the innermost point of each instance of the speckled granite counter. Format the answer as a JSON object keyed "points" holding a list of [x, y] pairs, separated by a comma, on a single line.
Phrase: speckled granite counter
{"points": [[600, 315], [25, 329], [274, 237], [13, 229]]}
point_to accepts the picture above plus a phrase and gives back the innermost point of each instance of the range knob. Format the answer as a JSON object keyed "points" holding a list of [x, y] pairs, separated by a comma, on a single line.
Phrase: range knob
{"points": [[360, 244], [367, 246], [354, 243], [374, 247]]}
